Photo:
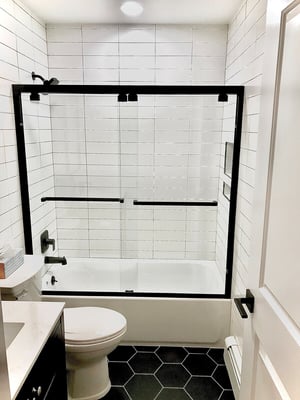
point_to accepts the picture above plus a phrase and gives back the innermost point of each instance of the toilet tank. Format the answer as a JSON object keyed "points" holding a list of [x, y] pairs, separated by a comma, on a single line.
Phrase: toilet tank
{"points": [[25, 283]]}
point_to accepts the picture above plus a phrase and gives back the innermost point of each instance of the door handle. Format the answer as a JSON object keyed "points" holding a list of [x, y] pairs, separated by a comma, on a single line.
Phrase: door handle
{"points": [[248, 300]]}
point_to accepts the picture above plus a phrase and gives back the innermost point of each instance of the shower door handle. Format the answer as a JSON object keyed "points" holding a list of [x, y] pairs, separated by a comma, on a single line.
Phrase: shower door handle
{"points": [[248, 300]]}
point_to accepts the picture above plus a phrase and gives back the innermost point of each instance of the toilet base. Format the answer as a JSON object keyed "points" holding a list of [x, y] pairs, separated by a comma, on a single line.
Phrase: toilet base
{"points": [[95, 397], [89, 383]]}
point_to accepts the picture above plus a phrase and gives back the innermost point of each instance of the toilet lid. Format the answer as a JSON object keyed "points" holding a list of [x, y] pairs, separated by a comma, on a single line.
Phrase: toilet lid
{"points": [[92, 324]]}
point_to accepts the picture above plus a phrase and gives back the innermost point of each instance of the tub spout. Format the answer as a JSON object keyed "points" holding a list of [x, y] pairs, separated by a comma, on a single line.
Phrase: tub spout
{"points": [[55, 260]]}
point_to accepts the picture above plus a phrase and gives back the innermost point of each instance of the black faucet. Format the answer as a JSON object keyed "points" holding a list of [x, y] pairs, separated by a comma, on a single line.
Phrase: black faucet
{"points": [[55, 260]]}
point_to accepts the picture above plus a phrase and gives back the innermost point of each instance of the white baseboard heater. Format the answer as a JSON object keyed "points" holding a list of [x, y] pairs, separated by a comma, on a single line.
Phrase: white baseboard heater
{"points": [[233, 362]]}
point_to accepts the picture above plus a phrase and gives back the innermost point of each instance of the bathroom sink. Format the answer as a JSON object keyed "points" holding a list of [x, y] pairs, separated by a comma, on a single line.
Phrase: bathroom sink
{"points": [[11, 329]]}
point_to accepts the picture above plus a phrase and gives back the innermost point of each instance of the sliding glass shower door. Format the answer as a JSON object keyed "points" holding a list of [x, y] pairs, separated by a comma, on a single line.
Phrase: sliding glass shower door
{"points": [[142, 187]]}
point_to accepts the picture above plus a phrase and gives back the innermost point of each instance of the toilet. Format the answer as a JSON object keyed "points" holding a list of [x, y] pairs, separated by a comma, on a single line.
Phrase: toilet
{"points": [[91, 333]]}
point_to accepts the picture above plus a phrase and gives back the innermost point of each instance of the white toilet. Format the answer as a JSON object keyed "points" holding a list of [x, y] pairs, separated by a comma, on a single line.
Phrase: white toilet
{"points": [[91, 333]]}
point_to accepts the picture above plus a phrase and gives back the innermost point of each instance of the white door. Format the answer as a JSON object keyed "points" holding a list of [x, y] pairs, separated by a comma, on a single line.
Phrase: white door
{"points": [[271, 359]]}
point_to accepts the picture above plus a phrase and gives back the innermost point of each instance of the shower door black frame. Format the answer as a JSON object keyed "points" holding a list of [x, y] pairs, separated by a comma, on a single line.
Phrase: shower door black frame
{"points": [[221, 91]]}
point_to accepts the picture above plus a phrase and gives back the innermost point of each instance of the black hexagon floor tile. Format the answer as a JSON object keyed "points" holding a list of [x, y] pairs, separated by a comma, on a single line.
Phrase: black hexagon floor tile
{"points": [[217, 355], [173, 394], [221, 376], [171, 354], [227, 395], [150, 349], [119, 372], [144, 387], [201, 350], [145, 362], [199, 364], [172, 375], [116, 393], [122, 353], [203, 388]]}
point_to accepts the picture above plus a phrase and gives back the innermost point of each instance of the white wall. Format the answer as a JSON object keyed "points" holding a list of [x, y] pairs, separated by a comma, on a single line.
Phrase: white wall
{"points": [[170, 147], [23, 50], [244, 67]]}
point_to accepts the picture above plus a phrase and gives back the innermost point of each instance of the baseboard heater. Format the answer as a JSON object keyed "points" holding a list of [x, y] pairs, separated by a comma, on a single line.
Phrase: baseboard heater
{"points": [[233, 362]]}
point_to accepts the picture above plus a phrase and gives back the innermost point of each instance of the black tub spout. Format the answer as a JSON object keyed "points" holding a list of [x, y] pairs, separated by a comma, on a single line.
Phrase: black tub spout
{"points": [[55, 260]]}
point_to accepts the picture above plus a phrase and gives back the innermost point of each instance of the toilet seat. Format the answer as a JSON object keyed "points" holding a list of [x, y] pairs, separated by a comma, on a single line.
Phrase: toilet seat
{"points": [[92, 325]]}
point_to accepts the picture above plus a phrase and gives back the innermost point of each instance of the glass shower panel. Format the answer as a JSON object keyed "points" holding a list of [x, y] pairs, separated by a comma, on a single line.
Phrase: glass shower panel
{"points": [[102, 127], [178, 161], [75, 158], [129, 136], [225, 177], [38, 144], [70, 174]]}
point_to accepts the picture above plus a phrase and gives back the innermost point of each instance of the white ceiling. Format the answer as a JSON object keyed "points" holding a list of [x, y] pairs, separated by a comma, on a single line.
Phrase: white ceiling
{"points": [[155, 11]]}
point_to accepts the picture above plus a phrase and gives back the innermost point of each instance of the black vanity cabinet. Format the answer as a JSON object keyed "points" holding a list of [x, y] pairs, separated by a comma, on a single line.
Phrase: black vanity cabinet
{"points": [[47, 378]]}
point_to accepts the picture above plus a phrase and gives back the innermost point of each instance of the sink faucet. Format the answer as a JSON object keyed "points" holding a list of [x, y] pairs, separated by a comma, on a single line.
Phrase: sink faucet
{"points": [[55, 260]]}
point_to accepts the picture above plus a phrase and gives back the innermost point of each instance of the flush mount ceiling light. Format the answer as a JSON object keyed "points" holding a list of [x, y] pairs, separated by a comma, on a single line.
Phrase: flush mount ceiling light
{"points": [[131, 8]]}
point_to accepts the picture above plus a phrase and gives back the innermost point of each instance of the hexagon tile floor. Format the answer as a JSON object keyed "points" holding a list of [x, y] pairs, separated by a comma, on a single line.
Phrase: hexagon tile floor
{"points": [[168, 373]]}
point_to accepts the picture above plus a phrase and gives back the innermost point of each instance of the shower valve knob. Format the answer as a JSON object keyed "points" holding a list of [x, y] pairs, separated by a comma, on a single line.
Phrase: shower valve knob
{"points": [[46, 242]]}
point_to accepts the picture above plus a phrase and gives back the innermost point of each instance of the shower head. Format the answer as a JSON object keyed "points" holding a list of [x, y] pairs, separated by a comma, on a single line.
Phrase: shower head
{"points": [[52, 81]]}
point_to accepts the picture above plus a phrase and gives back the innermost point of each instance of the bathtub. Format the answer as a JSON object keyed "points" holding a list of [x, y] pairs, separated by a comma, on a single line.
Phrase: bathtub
{"points": [[159, 298]]}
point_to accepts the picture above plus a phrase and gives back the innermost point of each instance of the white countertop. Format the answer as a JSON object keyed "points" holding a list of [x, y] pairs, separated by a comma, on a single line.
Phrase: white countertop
{"points": [[32, 265], [39, 319]]}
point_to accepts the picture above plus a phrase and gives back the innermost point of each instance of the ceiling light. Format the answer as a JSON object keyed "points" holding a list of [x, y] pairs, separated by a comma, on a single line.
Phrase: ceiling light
{"points": [[132, 8]]}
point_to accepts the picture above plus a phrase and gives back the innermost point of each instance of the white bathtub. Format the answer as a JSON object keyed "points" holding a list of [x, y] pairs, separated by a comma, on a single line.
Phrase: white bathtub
{"points": [[163, 319], [143, 276]]}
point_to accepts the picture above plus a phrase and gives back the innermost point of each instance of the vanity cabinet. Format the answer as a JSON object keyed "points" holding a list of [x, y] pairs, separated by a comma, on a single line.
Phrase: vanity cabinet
{"points": [[47, 378]]}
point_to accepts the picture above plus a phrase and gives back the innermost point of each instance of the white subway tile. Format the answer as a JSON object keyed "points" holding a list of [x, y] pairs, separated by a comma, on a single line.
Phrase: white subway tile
{"points": [[174, 33], [135, 62], [65, 61], [137, 49], [100, 33], [64, 49], [174, 49], [101, 62], [137, 34], [100, 49], [8, 38], [64, 35], [103, 75], [8, 71]]}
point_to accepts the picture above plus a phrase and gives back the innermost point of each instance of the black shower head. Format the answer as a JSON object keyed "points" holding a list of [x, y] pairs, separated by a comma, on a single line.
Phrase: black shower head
{"points": [[52, 81]]}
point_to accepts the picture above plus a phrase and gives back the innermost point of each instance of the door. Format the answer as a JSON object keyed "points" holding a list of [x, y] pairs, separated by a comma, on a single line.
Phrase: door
{"points": [[271, 359]]}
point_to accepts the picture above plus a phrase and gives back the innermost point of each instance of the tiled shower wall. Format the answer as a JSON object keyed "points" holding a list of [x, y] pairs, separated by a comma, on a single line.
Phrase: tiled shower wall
{"points": [[161, 148], [244, 66], [23, 49]]}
